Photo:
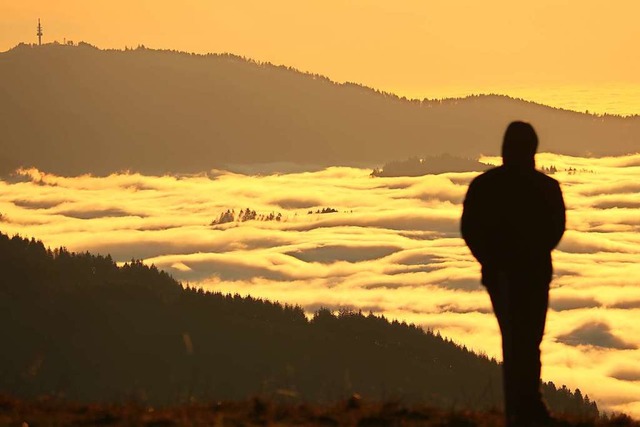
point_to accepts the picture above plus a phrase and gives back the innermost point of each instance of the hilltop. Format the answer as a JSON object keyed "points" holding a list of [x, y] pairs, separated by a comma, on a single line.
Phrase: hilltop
{"points": [[76, 109]]}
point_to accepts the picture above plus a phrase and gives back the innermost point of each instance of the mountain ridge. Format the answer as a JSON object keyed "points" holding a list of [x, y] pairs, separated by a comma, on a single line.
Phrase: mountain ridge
{"points": [[79, 109], [314, 76], [86, 329]]}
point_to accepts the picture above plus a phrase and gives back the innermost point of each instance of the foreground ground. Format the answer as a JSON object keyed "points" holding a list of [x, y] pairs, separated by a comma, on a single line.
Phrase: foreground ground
{"points": [[256, 412]]}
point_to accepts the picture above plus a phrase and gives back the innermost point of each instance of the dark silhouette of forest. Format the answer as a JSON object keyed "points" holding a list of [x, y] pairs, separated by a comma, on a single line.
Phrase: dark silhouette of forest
{"points": [[77, 326], [245, 215], [77, 109]]}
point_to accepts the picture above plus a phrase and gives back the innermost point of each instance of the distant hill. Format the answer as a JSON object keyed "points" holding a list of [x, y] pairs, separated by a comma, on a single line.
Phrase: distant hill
{"points": [[82, 328], [75, 109], [415, 166]]}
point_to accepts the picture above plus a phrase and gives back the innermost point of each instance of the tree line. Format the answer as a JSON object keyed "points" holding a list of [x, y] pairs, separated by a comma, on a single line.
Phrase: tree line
{"points": [[78, 326]]}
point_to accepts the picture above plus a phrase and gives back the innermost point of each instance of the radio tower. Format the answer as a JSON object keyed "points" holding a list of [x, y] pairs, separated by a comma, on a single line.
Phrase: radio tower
{"points": [[39, 33]]}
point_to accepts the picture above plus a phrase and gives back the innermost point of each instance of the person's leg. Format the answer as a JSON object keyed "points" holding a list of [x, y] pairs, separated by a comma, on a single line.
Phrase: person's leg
{"points": [[528, 302], [520, 306], [498, 288]]}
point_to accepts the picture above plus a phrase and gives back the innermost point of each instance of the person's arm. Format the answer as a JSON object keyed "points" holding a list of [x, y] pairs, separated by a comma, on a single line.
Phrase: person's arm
{"points": [[558, 216], [472, 226]]}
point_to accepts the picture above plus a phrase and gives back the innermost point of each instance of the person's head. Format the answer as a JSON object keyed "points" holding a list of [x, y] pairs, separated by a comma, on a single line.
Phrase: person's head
{"points": [[519, 145]]}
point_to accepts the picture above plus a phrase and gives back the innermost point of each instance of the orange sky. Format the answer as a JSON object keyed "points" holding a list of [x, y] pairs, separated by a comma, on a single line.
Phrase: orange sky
{"points": [[416, 48]]}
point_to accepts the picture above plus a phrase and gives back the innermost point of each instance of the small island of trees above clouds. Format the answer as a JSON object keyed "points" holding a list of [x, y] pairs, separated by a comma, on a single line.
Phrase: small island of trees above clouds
{"points": [[248, 214], [443, 163]]}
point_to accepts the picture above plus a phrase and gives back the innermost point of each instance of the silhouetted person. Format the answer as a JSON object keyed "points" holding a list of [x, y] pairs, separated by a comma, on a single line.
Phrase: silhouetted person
{"points": [[513, 218]]}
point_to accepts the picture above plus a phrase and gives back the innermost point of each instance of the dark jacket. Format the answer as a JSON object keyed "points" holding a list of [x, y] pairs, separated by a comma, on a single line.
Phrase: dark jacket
{"points": [[513, 218]]}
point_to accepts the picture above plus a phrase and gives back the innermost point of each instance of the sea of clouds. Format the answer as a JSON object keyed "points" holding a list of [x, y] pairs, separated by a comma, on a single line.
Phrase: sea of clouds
{"points": [[393, 247]]}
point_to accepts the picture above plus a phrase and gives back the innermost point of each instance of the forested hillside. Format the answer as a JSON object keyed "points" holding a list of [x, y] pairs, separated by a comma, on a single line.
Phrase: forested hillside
{"points": [[80, 327], [76, 109]]}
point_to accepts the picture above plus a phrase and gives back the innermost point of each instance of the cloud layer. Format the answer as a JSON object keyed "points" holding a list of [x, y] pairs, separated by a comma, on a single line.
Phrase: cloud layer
{"points": [[392, 246]]}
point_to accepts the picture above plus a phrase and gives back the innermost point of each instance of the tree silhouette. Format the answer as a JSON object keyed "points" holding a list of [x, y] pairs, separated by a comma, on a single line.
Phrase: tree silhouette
{"points": [[83, 328]]}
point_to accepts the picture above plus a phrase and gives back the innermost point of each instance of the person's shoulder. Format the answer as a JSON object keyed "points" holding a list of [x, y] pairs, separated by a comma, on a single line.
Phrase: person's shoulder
{"points": [[546, 179], [488, 176]]}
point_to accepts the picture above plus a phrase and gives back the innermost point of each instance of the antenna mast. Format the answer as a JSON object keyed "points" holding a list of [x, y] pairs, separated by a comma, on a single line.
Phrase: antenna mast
{"points": [[39, 33]]}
